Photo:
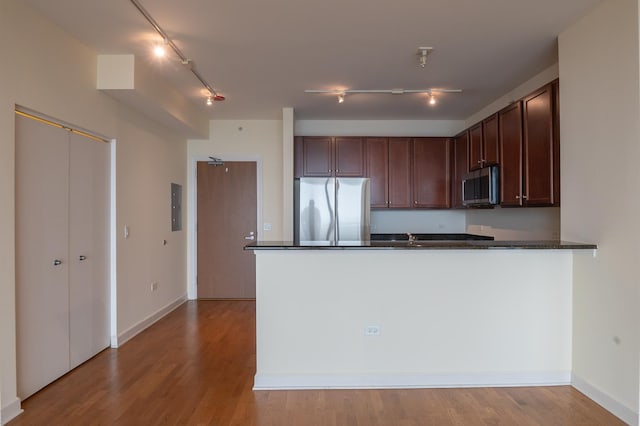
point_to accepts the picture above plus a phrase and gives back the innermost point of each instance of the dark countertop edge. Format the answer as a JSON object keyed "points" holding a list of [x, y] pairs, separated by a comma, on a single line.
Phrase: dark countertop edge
{"points": [[427, 245]]}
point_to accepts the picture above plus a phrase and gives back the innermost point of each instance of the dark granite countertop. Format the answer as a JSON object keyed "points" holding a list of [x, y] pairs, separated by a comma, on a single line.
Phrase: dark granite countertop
{"points": [[421, 245]]}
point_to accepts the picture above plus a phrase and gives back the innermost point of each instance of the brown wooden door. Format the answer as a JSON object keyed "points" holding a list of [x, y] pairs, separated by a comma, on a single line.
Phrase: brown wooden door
{"points": [[510, 132], [317, 155], [226, 218], [490, 146], [460, 167], [377, 164], [539, 147], [349, 157], [431, 176], [475, 147], [400, 173]]}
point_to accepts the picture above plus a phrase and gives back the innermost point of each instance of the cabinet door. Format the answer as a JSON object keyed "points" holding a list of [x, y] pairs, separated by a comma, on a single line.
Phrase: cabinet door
{"points": [[431, 178], [42, 235], [317, 156], [556, 143], [298, 157], [349, 157], [539, 147], [510, 134], [400, 173], [490, 150], [475, 147], [377, 156], [88, 248], [460, 167]]}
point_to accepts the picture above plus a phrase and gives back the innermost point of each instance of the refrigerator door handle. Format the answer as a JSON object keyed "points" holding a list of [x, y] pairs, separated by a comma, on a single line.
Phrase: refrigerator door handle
{"points": [[337, 222]]}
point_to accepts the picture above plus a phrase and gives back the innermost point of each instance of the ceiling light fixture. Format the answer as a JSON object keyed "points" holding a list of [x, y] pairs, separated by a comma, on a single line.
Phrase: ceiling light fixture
{"points": [[342, 93], [188, 63], [159, 51], [423, 52]]}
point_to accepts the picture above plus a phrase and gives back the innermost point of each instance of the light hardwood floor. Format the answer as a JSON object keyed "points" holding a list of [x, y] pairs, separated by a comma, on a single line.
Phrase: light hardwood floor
{"points": [[196, 367]]}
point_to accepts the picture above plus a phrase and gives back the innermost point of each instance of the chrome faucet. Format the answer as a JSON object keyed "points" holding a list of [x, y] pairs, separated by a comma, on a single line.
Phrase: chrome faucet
{"points": [[412, 238]]}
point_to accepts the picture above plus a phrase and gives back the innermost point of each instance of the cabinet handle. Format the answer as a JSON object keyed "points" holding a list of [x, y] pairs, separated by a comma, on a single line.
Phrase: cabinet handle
{"points": [[57, 262], [517, 197], [524, 197], [81, 258], [479, 161]]}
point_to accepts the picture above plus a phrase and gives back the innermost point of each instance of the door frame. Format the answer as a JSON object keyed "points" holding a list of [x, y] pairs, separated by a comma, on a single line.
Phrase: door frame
{"points": [[192, 205]]}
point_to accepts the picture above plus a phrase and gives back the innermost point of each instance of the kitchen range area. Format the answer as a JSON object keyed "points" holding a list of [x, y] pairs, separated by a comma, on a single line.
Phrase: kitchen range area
{"points": [[373, 302]]}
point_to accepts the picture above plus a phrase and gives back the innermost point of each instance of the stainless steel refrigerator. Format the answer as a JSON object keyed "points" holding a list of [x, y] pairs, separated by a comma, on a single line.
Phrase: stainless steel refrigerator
{"points": [[331, 210]]}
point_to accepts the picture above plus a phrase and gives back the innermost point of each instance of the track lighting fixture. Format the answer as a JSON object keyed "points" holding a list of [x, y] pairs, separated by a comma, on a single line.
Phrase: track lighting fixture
{"points": [[341, 93], [160, 51], [209, 101]]}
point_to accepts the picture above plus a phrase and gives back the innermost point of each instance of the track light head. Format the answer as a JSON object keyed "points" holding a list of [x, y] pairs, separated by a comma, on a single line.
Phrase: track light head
{"points": [[340, 98], [209, 101], [432, 99]]}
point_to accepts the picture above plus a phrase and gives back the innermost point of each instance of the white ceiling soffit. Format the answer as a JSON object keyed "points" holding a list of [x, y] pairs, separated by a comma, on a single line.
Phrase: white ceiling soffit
{"points": [[262, 55], [132, 82]]}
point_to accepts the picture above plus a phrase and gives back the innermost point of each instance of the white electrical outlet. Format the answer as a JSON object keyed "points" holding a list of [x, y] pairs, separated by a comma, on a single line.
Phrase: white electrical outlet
{"points": [[154, 286], [372, 330]]}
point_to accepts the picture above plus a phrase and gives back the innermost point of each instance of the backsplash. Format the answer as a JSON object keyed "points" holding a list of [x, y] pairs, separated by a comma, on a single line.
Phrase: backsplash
{"points": [[533, 223], [418, 221]]}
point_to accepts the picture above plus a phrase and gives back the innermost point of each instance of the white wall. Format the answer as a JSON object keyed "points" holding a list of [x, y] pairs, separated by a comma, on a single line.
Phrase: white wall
{"points": [[600, 151], [148, 161], [54, 74]]}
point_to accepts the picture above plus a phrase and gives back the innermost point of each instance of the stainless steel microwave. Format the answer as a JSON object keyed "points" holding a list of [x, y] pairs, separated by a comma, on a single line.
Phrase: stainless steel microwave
{"points": [[481, 187]]}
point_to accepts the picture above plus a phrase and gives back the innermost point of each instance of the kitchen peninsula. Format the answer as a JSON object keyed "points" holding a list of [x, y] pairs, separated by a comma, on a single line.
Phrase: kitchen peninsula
{"points": [[414, 314]]}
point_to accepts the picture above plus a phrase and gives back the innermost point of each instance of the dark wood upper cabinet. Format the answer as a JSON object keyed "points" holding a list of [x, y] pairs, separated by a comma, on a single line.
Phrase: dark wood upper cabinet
{"points": [[400, 182], [483, 143], [298, 160], [349, 157], [510, 135], [377, 170], [490, 145], [539, 147], [460, 167], [431, 175], [475, 147], [317, 156], [323, 156]]}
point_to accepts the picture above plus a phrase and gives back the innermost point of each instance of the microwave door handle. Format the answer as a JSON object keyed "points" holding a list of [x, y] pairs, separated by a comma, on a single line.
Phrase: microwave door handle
{"points": [[462, 194]]}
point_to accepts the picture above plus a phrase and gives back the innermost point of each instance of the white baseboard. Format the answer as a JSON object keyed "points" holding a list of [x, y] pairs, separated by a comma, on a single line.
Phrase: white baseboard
{"points": [[125, 336], [10, 411], [624, 413], [406, 381]]}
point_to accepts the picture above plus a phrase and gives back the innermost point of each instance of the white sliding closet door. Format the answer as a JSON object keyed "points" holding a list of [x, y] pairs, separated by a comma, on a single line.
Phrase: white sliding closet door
{"points": [[88, 247], [42, 236], [62, 251]]}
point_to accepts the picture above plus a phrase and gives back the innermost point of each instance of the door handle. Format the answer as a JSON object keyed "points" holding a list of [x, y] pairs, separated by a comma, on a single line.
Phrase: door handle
{"points": [[81, 258], [57, 262], [251, 236]]}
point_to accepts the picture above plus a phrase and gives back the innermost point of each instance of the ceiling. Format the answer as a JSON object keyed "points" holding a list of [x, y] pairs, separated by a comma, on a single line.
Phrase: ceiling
{"points": [[262, 55]]}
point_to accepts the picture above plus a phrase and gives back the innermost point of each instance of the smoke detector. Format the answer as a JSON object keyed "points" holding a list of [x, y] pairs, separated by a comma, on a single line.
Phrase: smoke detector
{"points": [[422, 54]]}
